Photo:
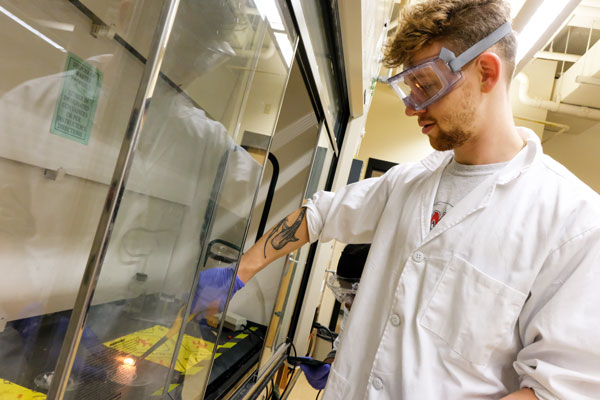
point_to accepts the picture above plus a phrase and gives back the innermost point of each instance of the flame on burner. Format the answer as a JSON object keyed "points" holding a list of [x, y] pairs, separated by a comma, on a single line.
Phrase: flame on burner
{"points": [[129, 361]]}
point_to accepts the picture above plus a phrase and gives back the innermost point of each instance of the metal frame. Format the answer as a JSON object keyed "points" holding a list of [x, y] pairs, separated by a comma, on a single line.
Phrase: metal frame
{"points": [[334, 40], [113, 199], [335, 128], [267, 371], [375, 164]]}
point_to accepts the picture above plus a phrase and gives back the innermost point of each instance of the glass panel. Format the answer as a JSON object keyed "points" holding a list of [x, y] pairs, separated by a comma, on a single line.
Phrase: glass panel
{"points": [[292, 153], [183, 216], [65, 98], [293, 275], [245, 323]]}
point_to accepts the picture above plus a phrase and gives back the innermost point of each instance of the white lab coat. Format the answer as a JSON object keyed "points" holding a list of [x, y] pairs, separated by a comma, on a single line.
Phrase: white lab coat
{"points": [[503, 293]]}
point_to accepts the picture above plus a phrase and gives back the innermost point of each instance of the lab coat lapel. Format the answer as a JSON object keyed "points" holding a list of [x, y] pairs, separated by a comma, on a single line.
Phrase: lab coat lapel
{"points": [[477, 199], [431, 188], [480, 197]]}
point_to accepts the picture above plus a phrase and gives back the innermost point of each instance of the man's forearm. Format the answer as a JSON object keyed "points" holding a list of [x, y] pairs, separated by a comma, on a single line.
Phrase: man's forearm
{"points": [[286, 236], [523, 394]]}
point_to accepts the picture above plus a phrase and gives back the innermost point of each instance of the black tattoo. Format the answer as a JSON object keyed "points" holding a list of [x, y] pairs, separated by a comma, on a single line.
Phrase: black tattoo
{"points": [[282, 234]]}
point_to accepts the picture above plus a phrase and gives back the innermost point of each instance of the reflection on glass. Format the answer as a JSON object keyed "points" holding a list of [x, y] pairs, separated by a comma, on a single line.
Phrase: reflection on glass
{"points": [[65, 99], [241, 339], [292, 276], [156, 314], [189, 183], [292, 150]]}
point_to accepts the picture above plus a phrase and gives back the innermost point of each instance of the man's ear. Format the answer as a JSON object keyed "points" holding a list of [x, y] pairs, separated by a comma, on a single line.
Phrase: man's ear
{"points": [[489, 66]]}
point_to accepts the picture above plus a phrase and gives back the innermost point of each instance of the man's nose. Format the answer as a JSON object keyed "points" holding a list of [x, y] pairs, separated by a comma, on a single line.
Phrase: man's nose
{"points": [[411, 112]]}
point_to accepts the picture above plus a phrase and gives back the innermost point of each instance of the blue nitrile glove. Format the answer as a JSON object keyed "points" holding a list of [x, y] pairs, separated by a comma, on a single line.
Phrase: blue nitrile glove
{"points": [[211, 291], [316, 376]]}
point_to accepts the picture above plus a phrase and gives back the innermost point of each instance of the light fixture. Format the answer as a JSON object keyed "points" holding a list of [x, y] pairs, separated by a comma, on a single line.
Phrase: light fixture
{"points": [[268, 9], [286, 47], [31, 29], [61, 26], [547, 19], [515, 7]]}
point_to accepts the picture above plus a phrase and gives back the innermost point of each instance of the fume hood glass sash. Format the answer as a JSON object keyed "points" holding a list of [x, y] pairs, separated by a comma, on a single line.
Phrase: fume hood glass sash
{"points": [[98, 251], [295, 263], [190, 186]]}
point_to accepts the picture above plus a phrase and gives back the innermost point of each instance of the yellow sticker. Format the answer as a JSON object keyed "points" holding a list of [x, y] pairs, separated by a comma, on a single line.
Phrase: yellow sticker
{"points": [[192, 352], [12, 391], [171, 387]]}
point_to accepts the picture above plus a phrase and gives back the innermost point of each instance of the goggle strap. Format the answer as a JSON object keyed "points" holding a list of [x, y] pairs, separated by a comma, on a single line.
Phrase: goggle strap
{"points": [[456, 63]]}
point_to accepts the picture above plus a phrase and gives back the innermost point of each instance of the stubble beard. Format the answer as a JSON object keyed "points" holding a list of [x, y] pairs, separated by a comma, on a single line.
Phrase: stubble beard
{"points": [[455, 128]]}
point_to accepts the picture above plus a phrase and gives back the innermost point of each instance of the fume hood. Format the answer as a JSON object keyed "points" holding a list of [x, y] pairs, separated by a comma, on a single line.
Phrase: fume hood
{"points": [[144, 143]]}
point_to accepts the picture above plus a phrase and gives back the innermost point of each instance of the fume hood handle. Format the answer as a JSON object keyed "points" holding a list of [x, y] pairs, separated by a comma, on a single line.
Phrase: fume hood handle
{"points": [[265, 214]]}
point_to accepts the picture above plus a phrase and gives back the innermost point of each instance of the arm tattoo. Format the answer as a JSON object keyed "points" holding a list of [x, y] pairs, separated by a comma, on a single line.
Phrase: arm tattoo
{"points": [[282, 234]]}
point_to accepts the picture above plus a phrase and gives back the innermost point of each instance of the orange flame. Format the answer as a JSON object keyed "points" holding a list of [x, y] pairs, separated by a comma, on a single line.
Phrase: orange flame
{"points": [[129, 361]]}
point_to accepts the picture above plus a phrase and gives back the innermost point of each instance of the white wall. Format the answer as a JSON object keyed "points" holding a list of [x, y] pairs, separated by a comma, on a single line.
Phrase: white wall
{"points": [[390, 135], [577, 149], [541, 77]]}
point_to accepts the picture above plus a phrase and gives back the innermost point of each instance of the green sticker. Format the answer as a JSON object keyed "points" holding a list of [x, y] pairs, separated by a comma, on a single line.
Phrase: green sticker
{"points": [[76, 106]]}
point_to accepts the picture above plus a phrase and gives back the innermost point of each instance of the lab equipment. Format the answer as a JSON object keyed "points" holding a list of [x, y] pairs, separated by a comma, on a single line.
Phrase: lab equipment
{"points": [[344, 289]]}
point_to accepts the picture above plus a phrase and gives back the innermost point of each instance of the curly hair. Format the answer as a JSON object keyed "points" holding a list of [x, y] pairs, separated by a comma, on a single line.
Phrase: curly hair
{"points": [[458, 24]]}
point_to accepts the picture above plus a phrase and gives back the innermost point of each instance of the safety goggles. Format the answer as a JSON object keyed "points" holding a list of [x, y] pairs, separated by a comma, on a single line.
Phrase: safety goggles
{"points": [[343, 289], [430, 80]]}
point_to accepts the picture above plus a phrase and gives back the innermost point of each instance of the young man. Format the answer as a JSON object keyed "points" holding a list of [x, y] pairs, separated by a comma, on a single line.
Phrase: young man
{"points": [[482, 280]]}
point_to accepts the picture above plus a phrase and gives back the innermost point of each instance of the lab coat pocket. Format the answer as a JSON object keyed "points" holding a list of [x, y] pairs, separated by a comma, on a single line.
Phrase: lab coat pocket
{"points": [[337, 385], [471, 311]]}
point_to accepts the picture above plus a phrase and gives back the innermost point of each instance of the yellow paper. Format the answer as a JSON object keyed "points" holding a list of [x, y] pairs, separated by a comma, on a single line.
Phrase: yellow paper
{"points": [[10, 391], [193, 350]]}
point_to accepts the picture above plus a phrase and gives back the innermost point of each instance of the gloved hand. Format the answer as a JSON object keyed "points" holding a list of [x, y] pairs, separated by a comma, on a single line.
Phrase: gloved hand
{"points": [[211, 291], [316, 376]]}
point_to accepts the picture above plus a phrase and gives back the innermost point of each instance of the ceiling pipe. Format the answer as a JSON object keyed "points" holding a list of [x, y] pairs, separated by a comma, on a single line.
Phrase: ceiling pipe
{"points": [[554, 106]]}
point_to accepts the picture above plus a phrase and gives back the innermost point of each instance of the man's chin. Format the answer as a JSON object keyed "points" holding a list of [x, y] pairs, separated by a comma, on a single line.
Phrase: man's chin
{"points": [[440, 145], [443, 141]]}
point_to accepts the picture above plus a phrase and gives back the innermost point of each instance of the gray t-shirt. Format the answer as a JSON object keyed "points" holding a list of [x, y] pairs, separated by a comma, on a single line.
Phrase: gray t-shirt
{"points": [[456, 182]]}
